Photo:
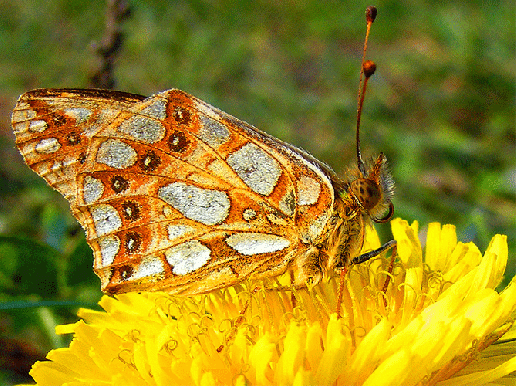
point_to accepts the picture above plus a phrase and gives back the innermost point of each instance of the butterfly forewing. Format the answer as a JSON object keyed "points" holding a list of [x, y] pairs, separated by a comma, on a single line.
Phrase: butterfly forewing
{"points": [[173, 194]]}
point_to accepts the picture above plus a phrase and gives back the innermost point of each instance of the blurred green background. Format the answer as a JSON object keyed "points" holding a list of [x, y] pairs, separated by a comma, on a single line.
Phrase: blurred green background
{"points": [[441, 106]]}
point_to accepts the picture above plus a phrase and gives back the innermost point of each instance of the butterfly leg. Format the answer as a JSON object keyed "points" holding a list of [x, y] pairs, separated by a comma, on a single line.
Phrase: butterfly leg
{"points": [[342, 273], [238, 321], [369, 255], [391, 268], [366, 256], [363, 258], [307, 268]]}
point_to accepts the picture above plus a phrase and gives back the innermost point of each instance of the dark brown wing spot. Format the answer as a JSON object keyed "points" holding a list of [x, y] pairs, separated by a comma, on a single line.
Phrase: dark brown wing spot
{"points": [[177, 142], [149, 161], [73, 138], [126, 272], [181, 115], [58, 120], [119, 184], [133, 242], [131, 211], [82, 158]]}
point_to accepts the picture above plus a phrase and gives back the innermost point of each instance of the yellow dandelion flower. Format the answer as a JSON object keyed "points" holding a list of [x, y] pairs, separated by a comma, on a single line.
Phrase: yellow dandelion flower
{"points": [[439, 322]]}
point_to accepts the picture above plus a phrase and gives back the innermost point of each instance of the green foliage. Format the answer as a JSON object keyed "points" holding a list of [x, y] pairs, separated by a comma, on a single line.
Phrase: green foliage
{"points": [[27, 267], [441, 106]]}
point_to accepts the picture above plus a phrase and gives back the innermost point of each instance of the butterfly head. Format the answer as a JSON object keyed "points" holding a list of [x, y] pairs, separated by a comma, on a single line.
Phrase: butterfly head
{"points": [[373, 188]]}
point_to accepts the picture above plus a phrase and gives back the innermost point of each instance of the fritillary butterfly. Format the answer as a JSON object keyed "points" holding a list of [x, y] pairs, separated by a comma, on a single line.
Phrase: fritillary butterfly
{"points": [[177, 195]]}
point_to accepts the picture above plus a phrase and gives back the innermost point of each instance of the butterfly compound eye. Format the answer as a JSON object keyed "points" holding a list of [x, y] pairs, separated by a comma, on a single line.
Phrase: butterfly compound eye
{"points": [[367, 192]]}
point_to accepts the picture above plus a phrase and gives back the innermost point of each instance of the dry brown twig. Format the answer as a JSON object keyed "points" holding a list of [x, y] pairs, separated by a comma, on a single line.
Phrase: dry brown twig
{"points": [[116, 12]]}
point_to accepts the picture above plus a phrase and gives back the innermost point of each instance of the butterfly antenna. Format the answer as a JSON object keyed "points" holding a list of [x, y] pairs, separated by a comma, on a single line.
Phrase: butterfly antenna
{"points": [[368, 69]]}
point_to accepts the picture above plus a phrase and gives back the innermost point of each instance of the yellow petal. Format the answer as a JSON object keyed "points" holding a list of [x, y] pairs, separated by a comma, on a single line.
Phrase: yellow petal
{"points": [[336, 353], [367, 355], [207, 379], [260, 357], [292, 356], [440, 243], [314, 346], [392, 371], [465, 257], [408, 244], [435, 327], [498, 246]]}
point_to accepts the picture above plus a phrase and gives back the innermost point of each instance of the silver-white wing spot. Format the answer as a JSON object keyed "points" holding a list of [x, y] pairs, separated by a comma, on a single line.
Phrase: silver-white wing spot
{"points": [[37, 126], [105, 115], [249, 214], [132, 242], [212, 132], [157, 109], [150, 266], [143, 129], [80, 114], [287, 204], [315, 228], [256, 168], [93, 189], [176, 231], [109, 247], [48, 146], [207, 206], [21, 119], [19, 127], [106, 219], [308, 190], [187, 257], [116, 154], [23, 115], [253, 243], [57, 166]]}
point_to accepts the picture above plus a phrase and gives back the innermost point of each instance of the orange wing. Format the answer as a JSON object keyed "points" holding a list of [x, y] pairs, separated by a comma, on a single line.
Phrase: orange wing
{"points": [[173, 194]]}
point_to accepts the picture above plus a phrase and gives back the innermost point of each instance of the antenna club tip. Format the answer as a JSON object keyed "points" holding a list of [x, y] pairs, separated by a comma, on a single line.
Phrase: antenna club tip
{"points": [[369, 68], [371, 12]]}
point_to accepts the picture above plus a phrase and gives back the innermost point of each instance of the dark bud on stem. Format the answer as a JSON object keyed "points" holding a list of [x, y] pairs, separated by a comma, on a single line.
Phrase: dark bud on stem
{"points": [[370, 13], [369, 68]]}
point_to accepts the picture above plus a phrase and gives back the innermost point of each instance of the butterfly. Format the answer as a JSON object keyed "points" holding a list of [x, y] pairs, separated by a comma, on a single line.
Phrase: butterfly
{"points": [[176, 195], [179, 196]]}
